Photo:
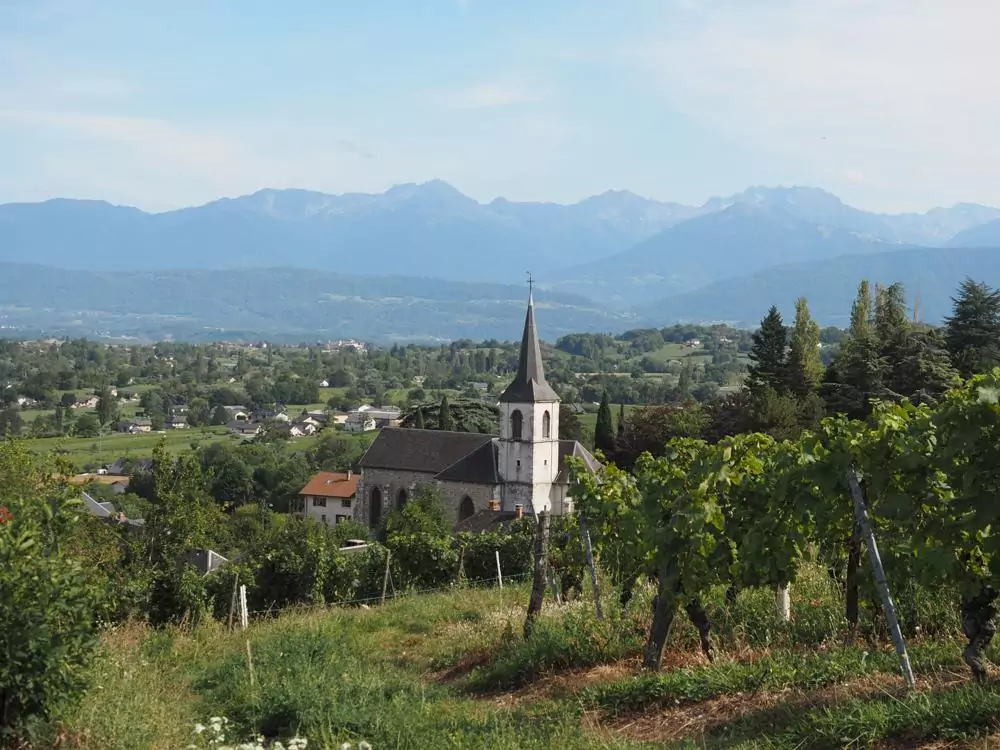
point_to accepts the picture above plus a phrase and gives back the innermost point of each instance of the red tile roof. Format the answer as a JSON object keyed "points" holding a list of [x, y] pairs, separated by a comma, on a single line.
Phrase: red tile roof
{"points": [[331, 484]]}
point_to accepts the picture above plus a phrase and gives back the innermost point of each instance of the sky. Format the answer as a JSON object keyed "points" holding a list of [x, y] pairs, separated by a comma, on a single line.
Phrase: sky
{"points": [[894, 105]]}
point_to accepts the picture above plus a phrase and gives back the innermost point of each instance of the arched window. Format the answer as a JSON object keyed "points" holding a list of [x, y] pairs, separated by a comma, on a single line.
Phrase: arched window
{"points": [[375, 512], [516, 424], [401, 498], [546, 425], [466, 508]]}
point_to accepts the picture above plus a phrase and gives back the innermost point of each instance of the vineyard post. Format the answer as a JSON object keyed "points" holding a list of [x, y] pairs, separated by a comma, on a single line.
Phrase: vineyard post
{"points": [[783, 602], [861, 512], [232, 601], [589, 549], [385, 579], [244, 614], [499, 572], [541, 566]]}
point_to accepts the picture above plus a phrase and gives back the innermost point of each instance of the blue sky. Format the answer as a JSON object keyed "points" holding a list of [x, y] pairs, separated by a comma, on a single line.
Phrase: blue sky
{"points": [[891, 104]]}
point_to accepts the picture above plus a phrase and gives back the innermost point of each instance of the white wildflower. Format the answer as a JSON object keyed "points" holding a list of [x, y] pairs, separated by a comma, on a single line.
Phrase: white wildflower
{"points": [[364, 746], [199, 728], [345, 746]]}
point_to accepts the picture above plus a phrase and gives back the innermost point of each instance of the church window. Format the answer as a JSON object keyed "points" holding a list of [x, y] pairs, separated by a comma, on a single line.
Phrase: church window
{"points": [[546, 425], [376, 506], [401, 498], [516, 424], [466, 508]]}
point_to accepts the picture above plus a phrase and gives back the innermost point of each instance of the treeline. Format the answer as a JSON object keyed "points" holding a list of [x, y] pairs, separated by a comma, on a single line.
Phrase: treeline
{"points": [[884, 356]]}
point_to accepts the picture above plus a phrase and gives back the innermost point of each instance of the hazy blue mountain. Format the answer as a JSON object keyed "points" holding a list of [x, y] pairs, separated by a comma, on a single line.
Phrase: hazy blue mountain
{"points": [[940, 225], [978, 236], [738, 239], [932, 274], [428, 229], [277, 303]]}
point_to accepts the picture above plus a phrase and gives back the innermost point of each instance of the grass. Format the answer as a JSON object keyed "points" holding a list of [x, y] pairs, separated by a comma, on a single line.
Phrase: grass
{"points": [[452, 670], [106, 448]]}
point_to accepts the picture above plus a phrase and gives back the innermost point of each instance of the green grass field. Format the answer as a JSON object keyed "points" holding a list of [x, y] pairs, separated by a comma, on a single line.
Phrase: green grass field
{"points": [[107, 448], [451, 670]]}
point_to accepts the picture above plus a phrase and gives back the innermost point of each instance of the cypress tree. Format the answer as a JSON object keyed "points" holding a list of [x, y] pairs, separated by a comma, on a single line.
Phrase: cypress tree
{"points": [[768, 368], [445, 421], [420, 418], [972, 333], [621, 422], [604, 434]]}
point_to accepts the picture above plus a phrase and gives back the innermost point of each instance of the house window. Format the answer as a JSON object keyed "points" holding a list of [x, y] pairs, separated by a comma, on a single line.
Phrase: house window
{"points": [[319, 502], [375, 512], [345, 503], [341, 519], [323, 518], [466, 508], [401, 498], [516, 424], [546, 425]]}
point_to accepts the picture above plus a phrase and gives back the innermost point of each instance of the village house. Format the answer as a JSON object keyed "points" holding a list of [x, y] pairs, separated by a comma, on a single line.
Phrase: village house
{"points": [[329, 497], [244, 428], [360, 421], [176, 422], [87, 403], [492, 478], [136, 426]]}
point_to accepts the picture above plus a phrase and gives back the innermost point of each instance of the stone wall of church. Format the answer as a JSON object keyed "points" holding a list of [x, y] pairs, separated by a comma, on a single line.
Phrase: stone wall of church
{"points": [[390, 482]]}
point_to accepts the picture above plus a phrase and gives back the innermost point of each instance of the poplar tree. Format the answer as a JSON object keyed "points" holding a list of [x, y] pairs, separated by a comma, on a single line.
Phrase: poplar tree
{"points": [[804, 366], [445, 421]]}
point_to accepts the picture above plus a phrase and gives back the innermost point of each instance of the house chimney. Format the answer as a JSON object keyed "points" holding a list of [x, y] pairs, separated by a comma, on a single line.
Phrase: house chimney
{"points": [[494, 505], [518, 512], [349, 474]]}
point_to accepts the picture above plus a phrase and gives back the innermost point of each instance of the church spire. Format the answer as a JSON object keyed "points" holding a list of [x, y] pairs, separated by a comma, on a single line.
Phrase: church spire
{"points": [[529, 385]]}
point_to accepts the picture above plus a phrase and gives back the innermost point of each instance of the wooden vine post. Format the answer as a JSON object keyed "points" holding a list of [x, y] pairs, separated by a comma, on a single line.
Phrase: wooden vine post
{"points": [[589, 549], [541, 566], [864, 521]]}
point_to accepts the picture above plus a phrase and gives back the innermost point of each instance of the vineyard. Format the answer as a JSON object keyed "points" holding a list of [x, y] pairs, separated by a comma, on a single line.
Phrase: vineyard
{"points": [[748, 511]]}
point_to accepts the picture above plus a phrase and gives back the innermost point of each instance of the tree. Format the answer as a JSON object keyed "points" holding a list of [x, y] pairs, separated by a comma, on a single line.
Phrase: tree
{"points": [[973, 329], [107, 407], [684, 379], [334, 452], [569, 425], [10, 422], [419, 422], [198, 412], [855, 376], [423, 513], [804, 366], [604, 432], [445, 422], [621, 423], [768, 357], [220, 415], [88, 426]]}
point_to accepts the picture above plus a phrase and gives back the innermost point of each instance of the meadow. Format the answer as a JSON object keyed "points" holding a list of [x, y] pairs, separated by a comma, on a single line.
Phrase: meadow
{"points": [[451, 670]]}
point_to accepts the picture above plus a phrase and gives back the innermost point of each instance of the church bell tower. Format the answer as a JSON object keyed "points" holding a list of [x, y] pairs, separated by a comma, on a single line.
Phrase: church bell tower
{"points": [[529, 429]]}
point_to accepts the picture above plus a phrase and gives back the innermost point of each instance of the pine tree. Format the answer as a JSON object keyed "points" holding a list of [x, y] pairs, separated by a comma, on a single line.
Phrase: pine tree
{"points": [[420, 418], [767, 355], [445, 422], [621, 423], [804, 366], [973, 330], [604, 434]]}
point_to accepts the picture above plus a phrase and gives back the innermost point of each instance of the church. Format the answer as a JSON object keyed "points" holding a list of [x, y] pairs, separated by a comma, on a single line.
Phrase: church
{"points": [[482, 478]]}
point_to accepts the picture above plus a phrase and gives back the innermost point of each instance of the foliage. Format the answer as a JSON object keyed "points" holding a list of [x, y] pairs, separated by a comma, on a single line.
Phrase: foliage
{"points": [[973, 329], [768, 367], [48, 603], [604, 432]]}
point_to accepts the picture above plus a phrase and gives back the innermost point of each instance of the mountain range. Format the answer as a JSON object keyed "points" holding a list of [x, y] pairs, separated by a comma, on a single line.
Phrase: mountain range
{"points": [[427, 262]]}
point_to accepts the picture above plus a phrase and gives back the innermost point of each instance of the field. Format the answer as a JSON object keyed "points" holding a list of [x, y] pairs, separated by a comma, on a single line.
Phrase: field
{"points": [[450, 670]]}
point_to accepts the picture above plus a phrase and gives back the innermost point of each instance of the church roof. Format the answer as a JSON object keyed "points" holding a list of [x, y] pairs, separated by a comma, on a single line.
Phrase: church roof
{"points": [[529, 385], [464, 457], [478, 467], [431, 451]]}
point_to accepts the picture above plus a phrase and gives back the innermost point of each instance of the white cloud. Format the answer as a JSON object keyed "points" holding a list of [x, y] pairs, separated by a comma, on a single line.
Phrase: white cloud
{"points": [[905, 89]]}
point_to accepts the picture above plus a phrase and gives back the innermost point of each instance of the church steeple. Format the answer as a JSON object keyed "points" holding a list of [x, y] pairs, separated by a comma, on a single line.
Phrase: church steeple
{"points": [[529, 385]]}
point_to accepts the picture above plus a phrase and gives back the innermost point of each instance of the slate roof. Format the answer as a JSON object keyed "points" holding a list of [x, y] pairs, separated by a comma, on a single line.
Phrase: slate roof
{"points": [[478, 467], [430, 451], [453, 456], [529, 385], [485, 520]]}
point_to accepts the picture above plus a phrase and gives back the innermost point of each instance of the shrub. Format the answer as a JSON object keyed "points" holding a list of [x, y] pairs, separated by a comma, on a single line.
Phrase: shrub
{"points": [[48, 604]]}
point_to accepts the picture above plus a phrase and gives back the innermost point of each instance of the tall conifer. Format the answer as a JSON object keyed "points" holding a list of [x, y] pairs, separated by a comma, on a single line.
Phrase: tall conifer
{"points": [[604, 433]]}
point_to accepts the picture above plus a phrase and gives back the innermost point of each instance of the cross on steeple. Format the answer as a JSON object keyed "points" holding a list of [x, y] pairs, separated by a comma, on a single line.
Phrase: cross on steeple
{"points": [[531, 283]]}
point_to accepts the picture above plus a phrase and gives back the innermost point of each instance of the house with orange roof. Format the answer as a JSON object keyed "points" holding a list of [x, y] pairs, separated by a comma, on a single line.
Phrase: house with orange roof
{"points": [[329, 497]]}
